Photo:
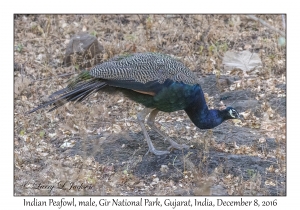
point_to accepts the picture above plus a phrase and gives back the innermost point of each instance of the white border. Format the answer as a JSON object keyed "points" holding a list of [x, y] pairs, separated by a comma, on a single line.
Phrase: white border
{"points": [[8, 201]]}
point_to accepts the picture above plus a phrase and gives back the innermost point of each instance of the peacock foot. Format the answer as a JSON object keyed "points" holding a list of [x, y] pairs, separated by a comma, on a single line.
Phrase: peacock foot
{"points": [[176, 146], [157, 152]]}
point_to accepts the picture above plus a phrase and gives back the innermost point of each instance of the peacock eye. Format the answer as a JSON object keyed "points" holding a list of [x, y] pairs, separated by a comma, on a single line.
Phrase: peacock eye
{"points": [[233, 113]]}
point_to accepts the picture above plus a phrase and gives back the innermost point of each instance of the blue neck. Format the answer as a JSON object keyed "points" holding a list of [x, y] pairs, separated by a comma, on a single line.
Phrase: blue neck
{"points": [[201, 116]]}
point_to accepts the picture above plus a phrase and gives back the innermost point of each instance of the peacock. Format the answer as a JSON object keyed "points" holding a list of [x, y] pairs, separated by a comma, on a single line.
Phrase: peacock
{"points": [[157, 81]]}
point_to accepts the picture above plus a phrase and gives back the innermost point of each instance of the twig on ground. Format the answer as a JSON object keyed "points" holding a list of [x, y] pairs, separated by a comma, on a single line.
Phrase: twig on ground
{"points": [[60, 75], [253, 17]]}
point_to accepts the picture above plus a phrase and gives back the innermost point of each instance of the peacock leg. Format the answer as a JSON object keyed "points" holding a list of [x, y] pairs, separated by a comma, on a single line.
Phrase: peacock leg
{"points": [[141, 119], [150, 122]]}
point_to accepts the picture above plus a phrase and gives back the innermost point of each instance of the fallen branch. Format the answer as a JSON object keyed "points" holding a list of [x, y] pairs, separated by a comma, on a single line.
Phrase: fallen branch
{"points": [[253, 17]]}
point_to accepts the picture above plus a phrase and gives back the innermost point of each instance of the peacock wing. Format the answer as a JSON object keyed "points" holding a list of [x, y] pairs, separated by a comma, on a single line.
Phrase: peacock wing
{"points": [[143, 70]]}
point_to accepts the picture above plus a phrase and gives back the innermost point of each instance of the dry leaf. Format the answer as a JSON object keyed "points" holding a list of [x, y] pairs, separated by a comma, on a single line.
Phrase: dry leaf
{"points": [[21, 84], [244, 60]]}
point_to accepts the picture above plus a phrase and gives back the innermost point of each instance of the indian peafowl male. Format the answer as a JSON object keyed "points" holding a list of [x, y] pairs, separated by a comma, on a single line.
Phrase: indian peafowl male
{"points": [[158, 81]]}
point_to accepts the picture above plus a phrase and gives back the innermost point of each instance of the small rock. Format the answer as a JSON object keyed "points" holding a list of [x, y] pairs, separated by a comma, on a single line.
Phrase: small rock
{"points": [[86, 47], [164, 168]]}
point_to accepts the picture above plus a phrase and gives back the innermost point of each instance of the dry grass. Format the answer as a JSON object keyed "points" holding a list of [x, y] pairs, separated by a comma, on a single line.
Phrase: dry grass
{"points": [[200, 41]]}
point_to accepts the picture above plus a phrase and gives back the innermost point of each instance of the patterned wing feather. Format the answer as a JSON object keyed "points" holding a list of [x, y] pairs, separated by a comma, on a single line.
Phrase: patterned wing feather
{"points": [[144, 68]]}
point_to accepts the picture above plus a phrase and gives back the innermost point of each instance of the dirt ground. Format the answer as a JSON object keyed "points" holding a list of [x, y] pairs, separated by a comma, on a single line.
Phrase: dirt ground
{"points": [[97, 147]]}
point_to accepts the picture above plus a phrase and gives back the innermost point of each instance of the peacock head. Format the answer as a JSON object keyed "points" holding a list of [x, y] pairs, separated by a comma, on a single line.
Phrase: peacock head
{"points": [[231, 113]]}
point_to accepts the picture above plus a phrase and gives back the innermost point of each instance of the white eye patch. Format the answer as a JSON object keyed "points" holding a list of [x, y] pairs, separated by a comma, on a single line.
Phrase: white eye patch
{"points": [[232, 113]]}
